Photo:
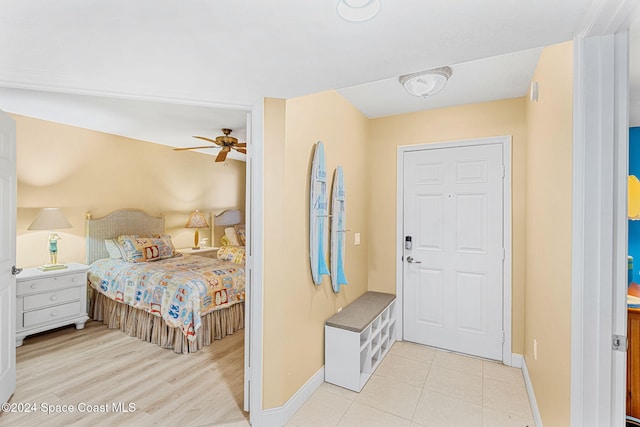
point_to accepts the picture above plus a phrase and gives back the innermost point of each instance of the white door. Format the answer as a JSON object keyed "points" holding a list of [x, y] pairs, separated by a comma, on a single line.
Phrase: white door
{"points": [[7, 256], [453, 280]]}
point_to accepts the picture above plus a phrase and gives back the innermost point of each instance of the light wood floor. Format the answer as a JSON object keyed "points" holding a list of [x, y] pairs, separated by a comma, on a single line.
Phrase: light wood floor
{"points": [[101, 366]]}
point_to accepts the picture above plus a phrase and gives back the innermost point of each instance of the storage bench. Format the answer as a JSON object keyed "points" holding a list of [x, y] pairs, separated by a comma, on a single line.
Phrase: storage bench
{"points": [[357, 338]]}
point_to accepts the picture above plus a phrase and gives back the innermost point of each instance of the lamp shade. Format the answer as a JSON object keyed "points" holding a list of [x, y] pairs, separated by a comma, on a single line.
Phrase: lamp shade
{"points": [[50, 219], [197, 220]]}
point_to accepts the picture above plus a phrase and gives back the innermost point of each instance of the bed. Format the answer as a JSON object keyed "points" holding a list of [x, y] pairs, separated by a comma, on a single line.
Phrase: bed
{"points": [[182, 302]]}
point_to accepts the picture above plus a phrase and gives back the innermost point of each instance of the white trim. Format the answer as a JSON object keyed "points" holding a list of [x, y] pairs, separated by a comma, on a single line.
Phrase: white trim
{"points": [[535, 411], [517, 360], [599, 146], [254, 261], [605, 17], [620, 221], [600, 131], [123, 95], [278, 417], [505, 142]]}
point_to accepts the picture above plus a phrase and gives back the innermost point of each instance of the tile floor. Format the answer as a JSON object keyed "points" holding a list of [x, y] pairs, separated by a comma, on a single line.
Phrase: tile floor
{"points": [[420, 386]]}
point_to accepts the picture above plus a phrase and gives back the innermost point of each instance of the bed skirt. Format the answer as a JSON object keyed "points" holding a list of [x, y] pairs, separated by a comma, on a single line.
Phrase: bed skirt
{"points": [[147, 327]]}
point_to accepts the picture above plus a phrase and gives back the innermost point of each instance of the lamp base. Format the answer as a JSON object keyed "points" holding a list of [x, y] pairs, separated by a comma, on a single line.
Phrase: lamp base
{"points": [[49, 267], [195, 248]]}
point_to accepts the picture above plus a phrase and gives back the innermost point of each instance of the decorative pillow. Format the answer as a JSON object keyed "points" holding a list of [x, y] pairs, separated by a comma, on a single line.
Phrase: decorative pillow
{"points": [[240, 232], [224, 241], [234, 254], [230, 234], [113, 248], [146, 248]]}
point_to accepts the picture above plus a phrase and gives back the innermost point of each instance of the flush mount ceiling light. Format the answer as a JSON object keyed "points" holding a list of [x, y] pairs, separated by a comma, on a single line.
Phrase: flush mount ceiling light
{"points": [[426, 83], [358, 10]]}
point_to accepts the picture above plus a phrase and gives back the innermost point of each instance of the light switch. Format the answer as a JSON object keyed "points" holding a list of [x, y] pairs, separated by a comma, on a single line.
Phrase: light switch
{"points": [[356, 238]]}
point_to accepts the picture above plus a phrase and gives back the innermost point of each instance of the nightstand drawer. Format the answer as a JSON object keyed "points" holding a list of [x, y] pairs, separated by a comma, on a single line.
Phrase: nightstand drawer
{"points": [[49, 283], [51, 314], [51, 298]]}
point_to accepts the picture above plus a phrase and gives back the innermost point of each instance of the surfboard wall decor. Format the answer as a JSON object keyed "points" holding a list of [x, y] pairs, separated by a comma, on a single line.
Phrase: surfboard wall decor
{"points": [[338, 230], [318, 212]]}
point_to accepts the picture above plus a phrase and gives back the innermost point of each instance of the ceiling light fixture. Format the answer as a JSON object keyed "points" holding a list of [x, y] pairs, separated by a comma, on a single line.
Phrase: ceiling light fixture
{"points": [[426, 83], [358, 10]]}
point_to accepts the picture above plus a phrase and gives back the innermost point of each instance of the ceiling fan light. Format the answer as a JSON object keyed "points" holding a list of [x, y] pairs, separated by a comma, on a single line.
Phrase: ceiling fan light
{"points": [[358, 10], [426, 83]]}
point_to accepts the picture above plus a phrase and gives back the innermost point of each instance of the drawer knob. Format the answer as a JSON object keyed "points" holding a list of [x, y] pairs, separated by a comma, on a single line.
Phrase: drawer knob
{"points": [[34, 285], [74, 279], [54, 297], [54, 313]]}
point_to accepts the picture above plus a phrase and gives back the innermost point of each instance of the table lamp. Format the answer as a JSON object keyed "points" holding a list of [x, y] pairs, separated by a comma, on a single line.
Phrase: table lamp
{"points": [[51, 219], [196, 220]]}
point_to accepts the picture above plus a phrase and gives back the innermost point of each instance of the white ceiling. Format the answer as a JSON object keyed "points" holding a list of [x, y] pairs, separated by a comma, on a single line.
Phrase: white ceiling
{"points": [[104, 59]]}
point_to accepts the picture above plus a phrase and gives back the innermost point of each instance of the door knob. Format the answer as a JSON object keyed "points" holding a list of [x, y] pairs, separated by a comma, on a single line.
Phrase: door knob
{"points": [[412, 261]]}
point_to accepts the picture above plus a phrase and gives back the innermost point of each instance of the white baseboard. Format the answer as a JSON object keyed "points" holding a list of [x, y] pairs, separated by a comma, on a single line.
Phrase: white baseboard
{"points": [[535, 411], [516, 361], [278, 417]]}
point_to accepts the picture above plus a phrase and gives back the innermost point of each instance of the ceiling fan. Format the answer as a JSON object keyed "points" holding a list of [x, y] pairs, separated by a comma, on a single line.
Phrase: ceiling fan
{"points": [[226, 142]]}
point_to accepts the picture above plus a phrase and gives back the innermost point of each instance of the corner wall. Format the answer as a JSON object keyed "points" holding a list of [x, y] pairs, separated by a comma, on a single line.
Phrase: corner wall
{"points": [[80, 170], [294, 308], [548, 234]]}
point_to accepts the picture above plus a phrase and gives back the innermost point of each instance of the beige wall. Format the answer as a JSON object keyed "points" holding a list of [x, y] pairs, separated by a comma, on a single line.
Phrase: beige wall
{"points": [[294, 308], [506, 117], [548, 234], [80, 170]]}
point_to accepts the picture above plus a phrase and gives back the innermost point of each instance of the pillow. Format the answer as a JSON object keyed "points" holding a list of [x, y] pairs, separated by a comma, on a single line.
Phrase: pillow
{"points": [[232, 253], [146, 248], [224, 241], [240, 232], [113, 248], [230, 234]]}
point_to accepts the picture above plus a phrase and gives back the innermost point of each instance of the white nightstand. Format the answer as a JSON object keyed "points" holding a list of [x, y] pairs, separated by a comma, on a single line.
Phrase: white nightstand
{"points": [[206, 251], [50, 299]]}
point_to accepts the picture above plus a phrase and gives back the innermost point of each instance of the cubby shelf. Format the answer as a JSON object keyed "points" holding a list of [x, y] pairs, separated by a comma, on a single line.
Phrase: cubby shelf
{"points": [[358, 338]]}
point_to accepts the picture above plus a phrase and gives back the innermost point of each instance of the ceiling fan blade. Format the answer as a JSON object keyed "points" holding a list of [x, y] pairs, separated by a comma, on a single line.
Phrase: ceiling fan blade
{"points": [[222, 154], [242, 144], [207, 139], [193, 148], [241, 150]]}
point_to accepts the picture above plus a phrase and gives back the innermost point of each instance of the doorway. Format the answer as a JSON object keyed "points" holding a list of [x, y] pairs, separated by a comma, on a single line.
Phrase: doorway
{"points": [[454, 216]]}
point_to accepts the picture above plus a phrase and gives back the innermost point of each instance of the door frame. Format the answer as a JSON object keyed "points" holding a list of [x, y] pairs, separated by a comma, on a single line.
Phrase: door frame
{"points": [[505, 143], [599, 269], [599, 229], [9, 260]]}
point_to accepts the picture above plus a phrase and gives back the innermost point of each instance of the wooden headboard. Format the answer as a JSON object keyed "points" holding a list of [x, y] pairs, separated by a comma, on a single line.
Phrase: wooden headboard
{"points": [[123, 221]]}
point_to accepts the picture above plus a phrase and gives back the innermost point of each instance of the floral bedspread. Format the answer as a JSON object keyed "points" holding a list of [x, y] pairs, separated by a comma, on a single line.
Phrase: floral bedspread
{"points": [[179, 289]]}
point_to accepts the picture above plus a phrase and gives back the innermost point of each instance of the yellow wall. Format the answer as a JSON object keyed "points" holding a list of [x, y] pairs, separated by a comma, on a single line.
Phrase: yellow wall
{"points": [[81, 170], [294, 308], [506, 117], [548, 234]]}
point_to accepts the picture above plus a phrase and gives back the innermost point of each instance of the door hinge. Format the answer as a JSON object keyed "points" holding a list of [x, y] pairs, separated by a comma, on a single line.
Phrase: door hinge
{"points": [[504, 254], [619, 343], [504, 171], [502, 337]]}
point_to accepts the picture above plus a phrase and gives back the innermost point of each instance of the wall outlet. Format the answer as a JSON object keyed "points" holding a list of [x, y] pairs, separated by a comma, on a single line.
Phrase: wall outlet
{"points": [[356, 238], [535, 349]]}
